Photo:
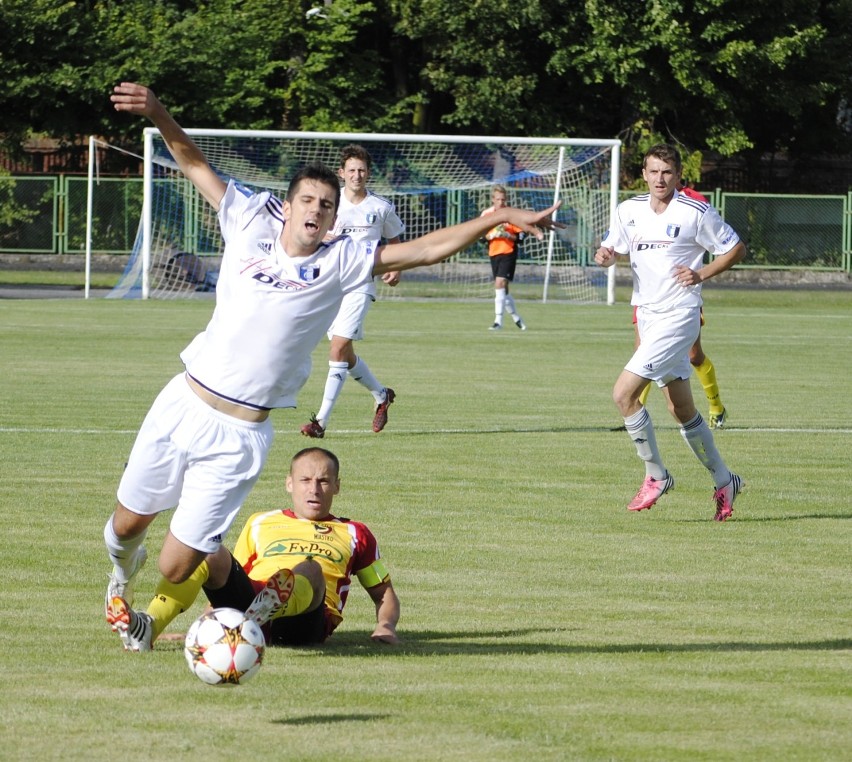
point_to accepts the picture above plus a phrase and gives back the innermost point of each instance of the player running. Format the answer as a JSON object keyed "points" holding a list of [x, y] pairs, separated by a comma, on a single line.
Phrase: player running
{"points": [[666, 234]]}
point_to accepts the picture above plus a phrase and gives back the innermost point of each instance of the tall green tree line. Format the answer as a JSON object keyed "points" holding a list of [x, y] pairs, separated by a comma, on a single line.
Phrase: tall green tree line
{"points": [[728, 76]]}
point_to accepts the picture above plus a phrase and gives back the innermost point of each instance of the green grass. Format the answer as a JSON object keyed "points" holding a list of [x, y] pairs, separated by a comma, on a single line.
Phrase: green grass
{"points": [[66, 278], [540, 619]]}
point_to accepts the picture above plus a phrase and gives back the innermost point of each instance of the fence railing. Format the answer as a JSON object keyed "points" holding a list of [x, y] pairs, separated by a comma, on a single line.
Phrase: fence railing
{"points": [[47, 215]]}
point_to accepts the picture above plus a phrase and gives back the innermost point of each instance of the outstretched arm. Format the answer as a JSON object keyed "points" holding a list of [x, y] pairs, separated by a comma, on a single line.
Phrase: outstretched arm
{"points": [[387, 613], [436, 246], [138, 99]]}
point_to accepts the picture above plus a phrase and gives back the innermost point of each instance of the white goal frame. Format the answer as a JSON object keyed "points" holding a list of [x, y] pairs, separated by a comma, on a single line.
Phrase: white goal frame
{"points": [[612, 145]]}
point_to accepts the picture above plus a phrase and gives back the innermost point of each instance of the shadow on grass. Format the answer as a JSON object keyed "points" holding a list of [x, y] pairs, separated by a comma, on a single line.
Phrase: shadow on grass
{"points": [[436, 643], [322, 719], [508, 642], [739, 519], [798, 517]]}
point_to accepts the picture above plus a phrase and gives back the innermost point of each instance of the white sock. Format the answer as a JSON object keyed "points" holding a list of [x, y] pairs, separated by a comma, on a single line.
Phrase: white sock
{"points": [[698, 436], [364, 376], [509, 306], [333, 385], [122, 553], [641, 430], [499, 304]]}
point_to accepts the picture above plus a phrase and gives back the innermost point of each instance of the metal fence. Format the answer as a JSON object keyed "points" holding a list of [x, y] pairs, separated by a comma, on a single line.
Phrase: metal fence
{"points": [[47, 215]]}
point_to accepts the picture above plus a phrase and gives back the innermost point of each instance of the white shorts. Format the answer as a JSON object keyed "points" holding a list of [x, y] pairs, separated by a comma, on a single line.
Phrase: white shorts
{"points": [[349, 322], [189, 456], [666, 338]]}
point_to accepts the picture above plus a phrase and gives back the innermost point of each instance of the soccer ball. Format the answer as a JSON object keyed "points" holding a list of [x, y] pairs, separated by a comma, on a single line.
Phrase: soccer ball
{"points": [[224, 648]]}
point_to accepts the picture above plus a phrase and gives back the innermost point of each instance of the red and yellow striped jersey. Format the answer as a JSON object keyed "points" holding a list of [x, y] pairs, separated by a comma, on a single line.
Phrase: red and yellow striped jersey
{"points": [[278, 539]]}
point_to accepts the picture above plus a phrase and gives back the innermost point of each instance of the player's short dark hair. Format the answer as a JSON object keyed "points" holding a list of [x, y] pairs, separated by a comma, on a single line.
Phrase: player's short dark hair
{"points": [[355, 151], [329, 455], [318, 172], [663, 152]]}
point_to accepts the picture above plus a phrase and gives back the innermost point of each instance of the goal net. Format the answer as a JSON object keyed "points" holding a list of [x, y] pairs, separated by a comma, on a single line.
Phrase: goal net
{"points": [[434, 181]]}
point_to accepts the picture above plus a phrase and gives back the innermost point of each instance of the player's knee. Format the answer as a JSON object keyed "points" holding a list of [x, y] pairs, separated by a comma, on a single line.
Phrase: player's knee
{"points": [[343, 352], [177, 570], [682, 412], [624, 400], [220, 564], [126, 524]]}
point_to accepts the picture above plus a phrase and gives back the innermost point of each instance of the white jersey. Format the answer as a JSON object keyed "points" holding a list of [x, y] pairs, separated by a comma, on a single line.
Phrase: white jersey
{"points": [[657, 243], [271, 309], [372, 219]]}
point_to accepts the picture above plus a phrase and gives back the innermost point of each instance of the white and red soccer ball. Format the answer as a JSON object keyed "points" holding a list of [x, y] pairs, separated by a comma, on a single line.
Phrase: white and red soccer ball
{"points": [[222, 647]]}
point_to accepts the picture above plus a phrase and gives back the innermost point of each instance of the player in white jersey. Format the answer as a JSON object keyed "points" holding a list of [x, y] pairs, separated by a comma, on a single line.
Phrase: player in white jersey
{"points": [[666, 233], [364, 216], [205, 439]]}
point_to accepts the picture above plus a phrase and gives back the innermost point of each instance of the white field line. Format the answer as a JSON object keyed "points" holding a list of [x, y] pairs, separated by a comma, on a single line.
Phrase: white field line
{"points": [[532, 430]]}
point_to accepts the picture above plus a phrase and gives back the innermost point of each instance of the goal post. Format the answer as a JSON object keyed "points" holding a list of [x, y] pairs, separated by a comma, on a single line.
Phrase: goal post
{"points": [[433, 180]]}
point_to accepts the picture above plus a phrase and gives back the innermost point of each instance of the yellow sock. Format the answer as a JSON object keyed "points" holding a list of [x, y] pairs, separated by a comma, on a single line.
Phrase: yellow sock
{"points": [[643, 398], [301, 597], [171, 599], [706, 373]]}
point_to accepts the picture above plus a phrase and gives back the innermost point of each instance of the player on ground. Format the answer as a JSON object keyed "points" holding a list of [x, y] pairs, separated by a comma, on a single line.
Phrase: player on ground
{"points": [[666, 233], [294, 589], [503, 254], [204, 441], [365, 217]]}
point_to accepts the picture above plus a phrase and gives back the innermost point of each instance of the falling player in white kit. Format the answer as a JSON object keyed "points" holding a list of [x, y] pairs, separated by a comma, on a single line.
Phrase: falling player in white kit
{"points": [[205, 439], [364, 216], [666, 233]]}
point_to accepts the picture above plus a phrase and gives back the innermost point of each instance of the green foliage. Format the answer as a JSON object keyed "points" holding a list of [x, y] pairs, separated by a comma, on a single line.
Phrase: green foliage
{"points": [[725, 75], [322, 93], [12, 212]]}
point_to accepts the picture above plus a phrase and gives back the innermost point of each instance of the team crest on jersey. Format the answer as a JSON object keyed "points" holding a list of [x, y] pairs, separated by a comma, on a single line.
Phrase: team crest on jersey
{"points": [[371, 218], [673, 231], [309, 273]]}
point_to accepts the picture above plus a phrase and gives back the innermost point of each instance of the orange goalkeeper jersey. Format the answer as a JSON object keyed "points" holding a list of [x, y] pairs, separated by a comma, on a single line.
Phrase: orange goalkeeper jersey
{"points": [[279, 539], [502, 239]]}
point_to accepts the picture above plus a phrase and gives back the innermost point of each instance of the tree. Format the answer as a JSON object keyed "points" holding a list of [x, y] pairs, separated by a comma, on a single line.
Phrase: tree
{"points": [[728, 75], [735, 77], [44, 44]]}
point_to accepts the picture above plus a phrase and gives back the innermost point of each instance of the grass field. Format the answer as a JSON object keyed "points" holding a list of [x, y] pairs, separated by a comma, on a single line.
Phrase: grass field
{"points": [[541, 620]]}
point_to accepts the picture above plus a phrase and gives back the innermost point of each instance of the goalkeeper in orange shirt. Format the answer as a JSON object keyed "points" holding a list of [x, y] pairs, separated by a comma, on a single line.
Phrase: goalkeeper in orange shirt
{"points": [[503, 254]]}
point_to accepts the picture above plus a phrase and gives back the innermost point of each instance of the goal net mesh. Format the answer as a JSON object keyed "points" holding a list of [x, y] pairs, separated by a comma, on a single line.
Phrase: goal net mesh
{"points": [[432, 183]]}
